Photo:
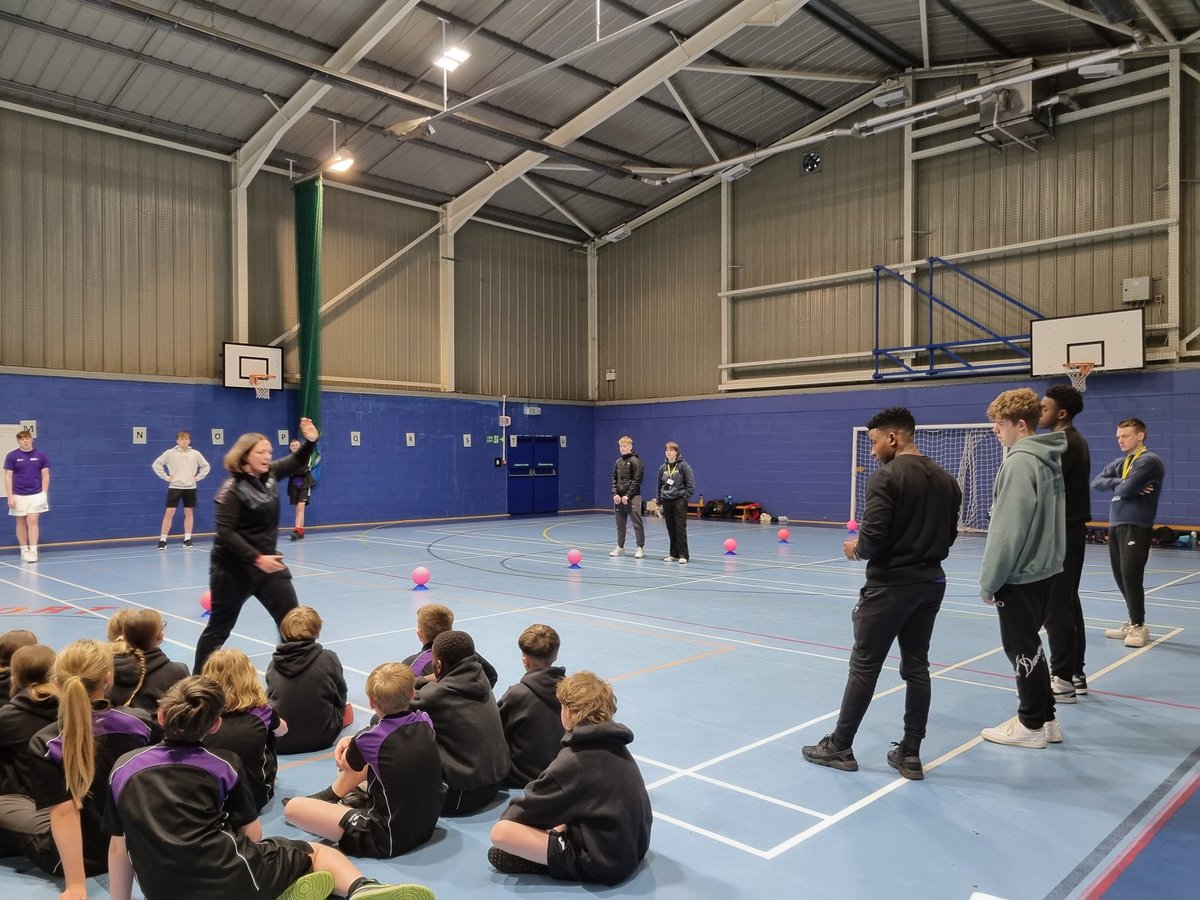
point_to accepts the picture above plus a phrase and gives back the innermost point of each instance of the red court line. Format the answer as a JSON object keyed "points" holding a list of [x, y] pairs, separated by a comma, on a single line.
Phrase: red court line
{"points": [[1098, 889]]}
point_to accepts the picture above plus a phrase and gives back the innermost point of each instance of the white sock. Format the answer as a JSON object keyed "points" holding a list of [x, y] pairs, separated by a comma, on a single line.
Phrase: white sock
{"points": [[187, 537], [162, 538]]}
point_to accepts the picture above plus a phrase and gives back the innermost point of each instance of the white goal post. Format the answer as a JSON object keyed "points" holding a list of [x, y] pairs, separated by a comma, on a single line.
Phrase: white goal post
{"points": [[970, 453]]}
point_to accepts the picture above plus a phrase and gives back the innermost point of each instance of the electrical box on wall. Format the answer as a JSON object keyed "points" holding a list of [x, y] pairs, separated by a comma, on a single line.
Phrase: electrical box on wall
{"points": [[1135, 290], [533, 410], [610, 374]]}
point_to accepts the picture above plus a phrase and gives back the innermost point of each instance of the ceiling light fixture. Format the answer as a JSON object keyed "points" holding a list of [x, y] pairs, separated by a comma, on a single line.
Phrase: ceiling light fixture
{"points": [[733, 173], [338, 161], [451, 59], [619, 233]]}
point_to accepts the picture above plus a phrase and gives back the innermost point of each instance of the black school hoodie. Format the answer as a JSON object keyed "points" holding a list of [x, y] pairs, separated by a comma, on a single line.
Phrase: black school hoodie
{"points": [[161, 674], [595, 788], [20, 719], [532, 719], [306, 686], [467, 725]]}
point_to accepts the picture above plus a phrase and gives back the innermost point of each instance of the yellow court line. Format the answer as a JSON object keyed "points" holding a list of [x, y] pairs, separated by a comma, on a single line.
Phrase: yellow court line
{"points": [[672, 664]]}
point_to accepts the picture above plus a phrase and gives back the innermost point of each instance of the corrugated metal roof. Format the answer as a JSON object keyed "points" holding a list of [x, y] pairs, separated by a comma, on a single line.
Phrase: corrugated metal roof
{"points": [[119, 68]]}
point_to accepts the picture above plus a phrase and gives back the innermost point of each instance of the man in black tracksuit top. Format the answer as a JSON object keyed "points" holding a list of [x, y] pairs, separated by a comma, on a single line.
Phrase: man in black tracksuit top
{"points": [[907, 529], [628, 472]]}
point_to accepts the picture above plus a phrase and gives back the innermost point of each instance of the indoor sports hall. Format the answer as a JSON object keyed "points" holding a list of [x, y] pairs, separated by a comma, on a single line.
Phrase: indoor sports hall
{"points": [[478, 242]]}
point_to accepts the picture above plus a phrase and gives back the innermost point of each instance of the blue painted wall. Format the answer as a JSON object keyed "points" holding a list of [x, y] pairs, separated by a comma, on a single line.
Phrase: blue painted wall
{"points": [[792, 452], [102, 485]]}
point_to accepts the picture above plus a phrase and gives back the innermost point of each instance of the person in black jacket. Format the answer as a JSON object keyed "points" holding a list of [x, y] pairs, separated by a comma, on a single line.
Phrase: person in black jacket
{"points": [[142, 672], [587, 817], [676, 485], [1064, 613], [299, 490], [627, 475], [909, 524], [34, 706], [432, 620], [530, 710], [244, 560], [306, 685], [466, 724]]}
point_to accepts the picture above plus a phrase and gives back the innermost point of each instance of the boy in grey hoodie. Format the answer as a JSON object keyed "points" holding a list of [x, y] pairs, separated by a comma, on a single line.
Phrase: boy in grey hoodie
{"points": [[1026, 543]]}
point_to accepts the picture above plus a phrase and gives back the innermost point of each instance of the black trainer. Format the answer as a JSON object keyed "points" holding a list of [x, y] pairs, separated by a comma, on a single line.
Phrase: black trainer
{"points": [[823, 754], [907, 765], [356, 798], [162, 545], [1080, 682], [510, 864], [187, 544]]}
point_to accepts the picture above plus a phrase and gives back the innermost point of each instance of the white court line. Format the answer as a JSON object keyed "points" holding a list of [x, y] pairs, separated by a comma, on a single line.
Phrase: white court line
{"points": [[1186, 577], [736, 788], [704, 832]]}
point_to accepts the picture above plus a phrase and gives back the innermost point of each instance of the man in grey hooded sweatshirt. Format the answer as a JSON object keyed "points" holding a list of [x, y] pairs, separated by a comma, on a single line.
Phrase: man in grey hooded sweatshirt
{"points": [[1026, 543]]}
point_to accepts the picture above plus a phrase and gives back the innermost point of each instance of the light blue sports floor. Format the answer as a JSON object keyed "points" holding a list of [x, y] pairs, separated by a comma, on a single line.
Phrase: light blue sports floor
{"points": [[724, 669]]}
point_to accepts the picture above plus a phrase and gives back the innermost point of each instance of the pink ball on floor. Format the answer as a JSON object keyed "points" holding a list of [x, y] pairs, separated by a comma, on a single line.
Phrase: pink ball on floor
{"points": [[574, 556], [784, 534], [420, 575], [206, 601], [851, 525], [730, 544]]}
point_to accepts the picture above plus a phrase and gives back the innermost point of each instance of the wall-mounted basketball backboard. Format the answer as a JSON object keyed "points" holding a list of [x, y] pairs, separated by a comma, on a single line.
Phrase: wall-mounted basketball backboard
{"points": [[240, 361], [1111, 341]]}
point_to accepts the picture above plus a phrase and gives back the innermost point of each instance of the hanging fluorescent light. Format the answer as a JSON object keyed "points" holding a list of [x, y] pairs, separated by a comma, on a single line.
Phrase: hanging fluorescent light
{"points": [[340, 163], [452, 58]]}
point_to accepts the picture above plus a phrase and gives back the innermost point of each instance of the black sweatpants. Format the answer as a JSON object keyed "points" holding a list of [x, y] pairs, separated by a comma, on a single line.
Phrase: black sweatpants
{"points": [[1022, 610], [1128, 550], [675, 517], [230, 589], [881, 616], [1064, 614]]}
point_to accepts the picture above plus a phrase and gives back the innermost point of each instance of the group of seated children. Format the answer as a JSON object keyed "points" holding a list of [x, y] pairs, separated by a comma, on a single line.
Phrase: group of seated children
{"points": [[192, 763], [440, 745]]}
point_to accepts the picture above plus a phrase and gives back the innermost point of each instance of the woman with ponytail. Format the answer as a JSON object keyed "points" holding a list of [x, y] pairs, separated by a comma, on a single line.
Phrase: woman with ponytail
{"points": [[73, 758]]}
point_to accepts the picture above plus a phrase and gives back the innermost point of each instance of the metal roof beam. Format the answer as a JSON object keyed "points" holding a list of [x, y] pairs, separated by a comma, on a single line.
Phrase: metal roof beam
{"points": [[691, 119], [1155, 19], [866, 37], [1094, 18], [975, 28], [377, 26], [923, 11], [799, 74], [463, 207], [542, 58]]}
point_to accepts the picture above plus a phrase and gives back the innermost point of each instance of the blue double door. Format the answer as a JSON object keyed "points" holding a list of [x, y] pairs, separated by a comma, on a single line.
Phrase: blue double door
{"points": [[532, 474]]}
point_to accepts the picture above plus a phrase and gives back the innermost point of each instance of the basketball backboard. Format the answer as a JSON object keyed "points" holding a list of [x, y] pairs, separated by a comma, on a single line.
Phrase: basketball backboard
{"points": [[243, 360], [1111, 340]]}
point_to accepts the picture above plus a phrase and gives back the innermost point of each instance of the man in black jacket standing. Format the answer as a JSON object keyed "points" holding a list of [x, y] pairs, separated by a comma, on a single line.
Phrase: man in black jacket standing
{"points": [[906, 530], [627, 497]]}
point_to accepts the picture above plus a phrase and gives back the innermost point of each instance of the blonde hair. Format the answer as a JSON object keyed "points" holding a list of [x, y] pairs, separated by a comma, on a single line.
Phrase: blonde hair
{"points": [[540, 642], [116, 625], [234, 672], [587, 697], [390, 687], [1020, 405], [301, 624], [82, 670], [235, 459], [433, 619], [31, 668]]}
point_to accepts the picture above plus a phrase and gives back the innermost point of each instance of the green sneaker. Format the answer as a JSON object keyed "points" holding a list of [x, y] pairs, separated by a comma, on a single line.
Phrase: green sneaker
{"points": [[313, 886], [393, 892]]}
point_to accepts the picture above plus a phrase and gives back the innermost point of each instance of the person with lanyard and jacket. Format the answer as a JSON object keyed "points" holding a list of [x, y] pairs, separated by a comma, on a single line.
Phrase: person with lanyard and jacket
{"points": [[627, 475], [245, 561], [676, 484], [1135, 480]]}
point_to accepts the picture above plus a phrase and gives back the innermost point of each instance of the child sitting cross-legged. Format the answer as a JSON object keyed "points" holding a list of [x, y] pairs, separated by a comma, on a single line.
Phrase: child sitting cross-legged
{"points": [[587, 817], [398, 757], [184, 819], [530, 710], [306, 686]]}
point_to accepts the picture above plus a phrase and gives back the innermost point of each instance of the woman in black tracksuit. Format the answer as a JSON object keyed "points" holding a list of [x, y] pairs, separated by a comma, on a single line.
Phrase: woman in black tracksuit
{"points": [[245, 561]]}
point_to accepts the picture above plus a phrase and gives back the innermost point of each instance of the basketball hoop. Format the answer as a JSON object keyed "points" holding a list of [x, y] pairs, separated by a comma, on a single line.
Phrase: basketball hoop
{"points": [[1078, 373], [262, 385]]}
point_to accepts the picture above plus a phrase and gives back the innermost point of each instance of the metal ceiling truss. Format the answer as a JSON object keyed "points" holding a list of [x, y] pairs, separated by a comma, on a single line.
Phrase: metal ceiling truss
{"points": [[862, 35], [785, 74], [975, 28]]}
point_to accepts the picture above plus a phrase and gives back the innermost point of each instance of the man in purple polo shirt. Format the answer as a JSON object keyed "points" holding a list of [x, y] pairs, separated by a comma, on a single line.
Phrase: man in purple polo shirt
{"points": [[27, 483]]}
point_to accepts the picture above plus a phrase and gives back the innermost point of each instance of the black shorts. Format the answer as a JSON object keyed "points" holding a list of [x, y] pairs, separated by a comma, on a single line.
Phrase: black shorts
{"points": [[276, 863], [364, 834], [187, 495], [299, 494]]}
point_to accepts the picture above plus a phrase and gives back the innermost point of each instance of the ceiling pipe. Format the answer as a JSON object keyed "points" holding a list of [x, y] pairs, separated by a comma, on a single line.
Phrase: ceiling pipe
{"points": [[901, 117]]}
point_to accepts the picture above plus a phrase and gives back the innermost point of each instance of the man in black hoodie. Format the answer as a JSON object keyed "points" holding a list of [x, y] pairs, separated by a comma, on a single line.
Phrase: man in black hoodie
{"points": [[466, 723], [306, 685], [627, 475], [530, 711], [907, 529]]}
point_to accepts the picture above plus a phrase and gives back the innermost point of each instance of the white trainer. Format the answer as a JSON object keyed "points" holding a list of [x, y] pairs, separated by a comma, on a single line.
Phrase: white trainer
{"points": [[617, 551], [25, 555], [1015, 734], [668, 559], [1053, 732], [33, 554], [1139, 636], [639, 553], [1063, 690], [1118, 634], [683, 560]]}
